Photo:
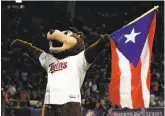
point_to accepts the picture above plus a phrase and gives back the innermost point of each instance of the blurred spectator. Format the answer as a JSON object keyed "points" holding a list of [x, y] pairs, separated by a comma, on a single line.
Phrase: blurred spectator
{"points": [[24, 77], [35, 95], [24, 95], [161, 102], [152, 100], [155, 86], [8, 95], [94, 87], [11, 89]]}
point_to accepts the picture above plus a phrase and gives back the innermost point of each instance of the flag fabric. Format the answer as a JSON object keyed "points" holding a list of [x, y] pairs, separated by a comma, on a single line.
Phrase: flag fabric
{"points": [[131, 49]]}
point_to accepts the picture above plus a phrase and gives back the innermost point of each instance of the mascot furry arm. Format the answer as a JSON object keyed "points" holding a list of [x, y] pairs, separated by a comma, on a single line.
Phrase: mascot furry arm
{"points": [[32, 51], [93, 51]]}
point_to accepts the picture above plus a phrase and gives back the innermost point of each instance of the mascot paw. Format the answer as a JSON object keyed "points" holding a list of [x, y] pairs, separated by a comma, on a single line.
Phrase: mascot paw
{"points": [[17, 43], [106, 37]]}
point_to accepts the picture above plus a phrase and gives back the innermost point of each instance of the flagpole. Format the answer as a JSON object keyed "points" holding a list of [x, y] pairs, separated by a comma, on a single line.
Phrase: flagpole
{"points": [[155, 7]]}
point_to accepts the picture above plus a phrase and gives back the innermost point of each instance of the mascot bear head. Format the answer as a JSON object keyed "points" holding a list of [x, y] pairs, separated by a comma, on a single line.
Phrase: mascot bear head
{"points": [[67, 41]]}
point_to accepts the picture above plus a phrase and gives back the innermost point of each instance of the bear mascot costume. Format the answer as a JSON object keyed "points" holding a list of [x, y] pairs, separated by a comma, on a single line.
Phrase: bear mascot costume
{"points": [[66, 67]]}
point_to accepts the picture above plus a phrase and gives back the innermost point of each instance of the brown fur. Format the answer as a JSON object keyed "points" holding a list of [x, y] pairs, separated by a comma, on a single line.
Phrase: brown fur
{"points": [[68, 109]]}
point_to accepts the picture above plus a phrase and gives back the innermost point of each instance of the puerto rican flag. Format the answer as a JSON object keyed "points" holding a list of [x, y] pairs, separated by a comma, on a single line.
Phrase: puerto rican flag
{"points": [[131, 48]]}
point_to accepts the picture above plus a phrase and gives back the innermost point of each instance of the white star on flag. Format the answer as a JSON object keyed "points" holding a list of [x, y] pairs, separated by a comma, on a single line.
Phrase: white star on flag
{"points": [[131, 36]]}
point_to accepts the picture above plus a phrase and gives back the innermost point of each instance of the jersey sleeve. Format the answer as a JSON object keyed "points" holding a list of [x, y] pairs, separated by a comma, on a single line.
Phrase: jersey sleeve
{"points": [[82, 62], [83, 66], [46, 59]]}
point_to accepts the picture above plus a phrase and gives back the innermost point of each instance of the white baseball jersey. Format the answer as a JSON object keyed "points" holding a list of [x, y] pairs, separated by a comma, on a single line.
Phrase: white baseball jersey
{"points": [[65, 77]]}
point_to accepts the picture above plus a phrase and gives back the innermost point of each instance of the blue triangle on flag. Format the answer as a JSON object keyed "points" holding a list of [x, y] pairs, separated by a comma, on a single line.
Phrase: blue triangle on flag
{"points": [[130, 39]]}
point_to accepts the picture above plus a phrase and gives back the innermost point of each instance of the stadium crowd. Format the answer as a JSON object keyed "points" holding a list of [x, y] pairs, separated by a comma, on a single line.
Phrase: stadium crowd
{"points": [[22, 80]]}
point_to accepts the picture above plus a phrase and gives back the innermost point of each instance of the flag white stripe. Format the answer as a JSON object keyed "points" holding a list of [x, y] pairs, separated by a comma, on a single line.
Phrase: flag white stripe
{"points": [[125, 81], [145, 57]]}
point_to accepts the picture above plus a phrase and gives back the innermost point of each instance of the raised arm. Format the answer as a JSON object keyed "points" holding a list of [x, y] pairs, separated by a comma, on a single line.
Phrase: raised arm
{"points": [[32, 51], [93, 51]]}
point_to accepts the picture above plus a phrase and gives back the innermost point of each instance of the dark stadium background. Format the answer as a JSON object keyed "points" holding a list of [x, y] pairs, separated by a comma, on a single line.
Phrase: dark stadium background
{"points": [[30, 21]]}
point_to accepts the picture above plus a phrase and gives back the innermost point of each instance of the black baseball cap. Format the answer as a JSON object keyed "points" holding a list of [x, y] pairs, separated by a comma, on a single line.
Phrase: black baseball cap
{"points": [[62, 26]]}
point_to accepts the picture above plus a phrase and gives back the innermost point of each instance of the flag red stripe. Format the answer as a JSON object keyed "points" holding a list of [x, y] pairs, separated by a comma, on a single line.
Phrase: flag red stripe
{"points": [[114, 86], [136, 86], [150, 41]]}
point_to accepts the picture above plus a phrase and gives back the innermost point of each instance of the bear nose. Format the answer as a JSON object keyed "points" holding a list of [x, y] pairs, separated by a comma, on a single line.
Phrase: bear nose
{"points": [[51, 31]]}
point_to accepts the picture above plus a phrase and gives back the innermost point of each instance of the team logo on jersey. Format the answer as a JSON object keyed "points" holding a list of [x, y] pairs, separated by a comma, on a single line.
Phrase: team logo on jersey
{"points": [[72, 96], [57, 66]]}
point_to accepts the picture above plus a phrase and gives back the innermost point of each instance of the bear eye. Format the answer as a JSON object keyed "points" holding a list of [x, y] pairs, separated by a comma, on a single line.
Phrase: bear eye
{"points": [[65, 32]]}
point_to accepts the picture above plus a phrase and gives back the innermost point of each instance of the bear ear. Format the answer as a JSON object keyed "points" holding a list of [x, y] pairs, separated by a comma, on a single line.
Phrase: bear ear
{"points": [[81, 35], [74, 29]]}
